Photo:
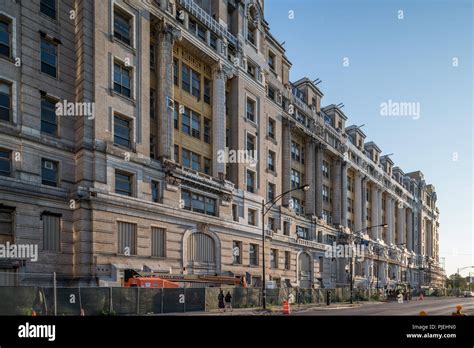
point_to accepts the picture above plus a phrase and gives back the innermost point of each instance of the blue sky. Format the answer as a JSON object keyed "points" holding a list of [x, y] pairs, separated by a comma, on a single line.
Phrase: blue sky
{"points": [[403, 60]]}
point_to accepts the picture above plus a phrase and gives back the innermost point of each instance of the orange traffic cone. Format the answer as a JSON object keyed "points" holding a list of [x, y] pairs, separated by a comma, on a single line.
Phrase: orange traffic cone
{"points": [[286, 307]]}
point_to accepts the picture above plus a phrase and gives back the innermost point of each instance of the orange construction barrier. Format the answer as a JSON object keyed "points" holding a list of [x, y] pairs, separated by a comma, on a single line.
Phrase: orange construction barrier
{"points": [[286, 307]]}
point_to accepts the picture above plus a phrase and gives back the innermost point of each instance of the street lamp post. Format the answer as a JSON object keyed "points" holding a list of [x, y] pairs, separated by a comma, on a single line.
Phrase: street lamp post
{"points": [[351, 237], [265, 210]]}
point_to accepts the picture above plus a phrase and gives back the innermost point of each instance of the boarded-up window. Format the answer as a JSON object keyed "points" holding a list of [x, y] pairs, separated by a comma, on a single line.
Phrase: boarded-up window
{"points": [[6, 225], [201, 248], [127, 237], [158, 242], [51, 232]]}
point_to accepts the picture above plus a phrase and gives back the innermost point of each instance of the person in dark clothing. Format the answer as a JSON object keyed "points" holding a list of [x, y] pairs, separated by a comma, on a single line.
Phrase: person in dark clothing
{"points": [[220, 299], [228, 300]]}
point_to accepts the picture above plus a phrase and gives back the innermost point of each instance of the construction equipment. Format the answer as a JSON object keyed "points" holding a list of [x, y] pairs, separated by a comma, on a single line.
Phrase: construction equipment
{"points": [[153, 280]]}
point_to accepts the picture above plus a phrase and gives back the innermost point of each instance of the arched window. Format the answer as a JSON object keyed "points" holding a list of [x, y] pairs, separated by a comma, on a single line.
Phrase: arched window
{"points": [[201, 248]]}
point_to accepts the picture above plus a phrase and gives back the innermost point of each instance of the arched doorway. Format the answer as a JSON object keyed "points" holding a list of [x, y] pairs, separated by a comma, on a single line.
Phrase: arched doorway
{"points": [[201, 254], [304, 271]]}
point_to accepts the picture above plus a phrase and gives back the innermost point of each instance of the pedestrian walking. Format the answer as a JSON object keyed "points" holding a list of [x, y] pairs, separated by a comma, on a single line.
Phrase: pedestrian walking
{"points": [[228, 301], [220, 300]]}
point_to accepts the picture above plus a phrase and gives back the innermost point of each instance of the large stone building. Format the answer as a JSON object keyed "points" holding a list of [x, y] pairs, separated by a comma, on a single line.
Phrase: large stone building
{"points": [[141, 179]]}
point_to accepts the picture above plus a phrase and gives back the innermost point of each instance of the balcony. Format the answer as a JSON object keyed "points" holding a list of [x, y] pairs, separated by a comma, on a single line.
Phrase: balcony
{"points": [[208, 21]]}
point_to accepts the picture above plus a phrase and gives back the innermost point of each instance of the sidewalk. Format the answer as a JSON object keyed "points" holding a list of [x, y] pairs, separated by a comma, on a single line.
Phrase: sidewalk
{"points": [[277, 310]]}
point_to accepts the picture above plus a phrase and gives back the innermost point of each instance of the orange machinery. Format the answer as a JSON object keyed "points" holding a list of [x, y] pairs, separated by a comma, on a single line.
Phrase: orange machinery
{"points": [[151, 280]]}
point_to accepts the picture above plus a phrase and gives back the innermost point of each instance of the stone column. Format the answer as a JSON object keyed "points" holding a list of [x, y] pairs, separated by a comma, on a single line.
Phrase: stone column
{"points": [[310, 176], [374, 214], [379, 211], [167, 34], [389, 219], [400, 216], [319, 179], [219, 75], [409, 229], [344, 194], [337, 191], [364, 203], [358, 199], [286, 161]]}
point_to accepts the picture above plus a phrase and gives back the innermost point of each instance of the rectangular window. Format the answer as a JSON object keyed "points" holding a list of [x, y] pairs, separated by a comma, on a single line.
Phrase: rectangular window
{"points": [[196, 125], [271, 192], [155, 191], [196, 161], [122, 80], [250, 145], [295, 179], [198, 203], [213, 41], [175, 71], [5, 37], [286, 228], [325, 169], [123, 183], [295, 151], [152, 57], [49, 122], [49, 57], [287, 260], [158, 238], [271, 160], [127, 238], [253, 255], [271, 224], [152, 147], [250, 181], [152, 103], [5, 162], [49, 172], [176, 115], [237, 252], [274, 258], [5, 101], [271, 93], [48, 7], [235, 212], [186, 121], [302, 232], [176, 153], [271, 129], [186, 158], [325, 192], [252, 217], [185, 78], [207, 166], [122, 26], [250, 110], [207, 91], [51, 232], [321, 264], [271, 60], [207, 130], [122, 131], [6, 224], [196, 84]]}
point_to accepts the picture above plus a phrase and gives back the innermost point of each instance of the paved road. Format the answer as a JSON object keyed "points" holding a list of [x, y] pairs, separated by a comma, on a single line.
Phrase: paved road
{"points": [[431, 305]]}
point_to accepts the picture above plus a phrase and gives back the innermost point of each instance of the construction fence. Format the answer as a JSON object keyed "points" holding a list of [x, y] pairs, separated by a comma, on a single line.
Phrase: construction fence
{"points": [[36, 300]]}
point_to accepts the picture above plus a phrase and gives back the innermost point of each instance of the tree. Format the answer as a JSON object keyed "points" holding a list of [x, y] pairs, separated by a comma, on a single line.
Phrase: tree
{"points": [[457, 281]]}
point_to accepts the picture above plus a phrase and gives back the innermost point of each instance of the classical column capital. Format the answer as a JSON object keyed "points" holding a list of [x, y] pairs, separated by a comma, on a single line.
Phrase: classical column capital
{"points": [[220, 70], [169, 31]]}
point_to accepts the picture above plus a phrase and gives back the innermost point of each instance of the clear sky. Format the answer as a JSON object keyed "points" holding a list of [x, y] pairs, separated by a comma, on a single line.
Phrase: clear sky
{"points": [[403, 60]]}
